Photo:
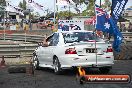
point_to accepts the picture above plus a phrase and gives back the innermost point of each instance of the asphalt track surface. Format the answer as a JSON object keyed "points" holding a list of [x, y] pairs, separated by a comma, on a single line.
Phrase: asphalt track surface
{"points": [[45, 78]]}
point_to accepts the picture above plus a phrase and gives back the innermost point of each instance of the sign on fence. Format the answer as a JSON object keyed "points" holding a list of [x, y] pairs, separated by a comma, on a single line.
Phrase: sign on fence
{"points": [[13, 27], [70, 25]]}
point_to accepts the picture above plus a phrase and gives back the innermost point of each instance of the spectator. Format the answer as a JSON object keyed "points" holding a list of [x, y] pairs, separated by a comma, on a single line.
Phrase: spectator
{"points": [[17, 26], [130, 27], [26, 26], [123, 28], [21, 23], [44, 43]]}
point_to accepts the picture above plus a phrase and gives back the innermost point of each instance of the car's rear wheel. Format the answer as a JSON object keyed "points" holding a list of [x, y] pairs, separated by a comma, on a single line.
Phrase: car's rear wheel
{"points": [[35, 62], [56, 66], [105, 69]]}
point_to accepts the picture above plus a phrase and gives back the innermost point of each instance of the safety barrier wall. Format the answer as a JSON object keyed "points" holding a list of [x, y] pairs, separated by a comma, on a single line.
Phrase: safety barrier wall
{"points": [[23, 37], [17, 50]]}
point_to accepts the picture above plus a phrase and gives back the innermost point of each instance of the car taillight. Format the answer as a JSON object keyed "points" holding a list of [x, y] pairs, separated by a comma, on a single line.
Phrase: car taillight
{"points": [[109, 49], [70, 51]]}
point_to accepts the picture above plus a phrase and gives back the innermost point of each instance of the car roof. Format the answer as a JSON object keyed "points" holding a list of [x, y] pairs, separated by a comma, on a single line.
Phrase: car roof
{"points": [[73, 31]]}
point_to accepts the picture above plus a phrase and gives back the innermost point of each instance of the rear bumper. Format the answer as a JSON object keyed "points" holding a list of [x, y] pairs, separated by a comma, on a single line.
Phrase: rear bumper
{"points": [[86, 65], [86, 61]]}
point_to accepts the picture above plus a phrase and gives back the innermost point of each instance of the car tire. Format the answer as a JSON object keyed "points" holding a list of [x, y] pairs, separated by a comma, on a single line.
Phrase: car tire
{"points": [[56, 66], [17, 69], [104, 70], [35, 62]]}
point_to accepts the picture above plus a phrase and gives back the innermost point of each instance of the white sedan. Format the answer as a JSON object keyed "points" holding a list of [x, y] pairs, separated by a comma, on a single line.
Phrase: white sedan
{"points": [[65, 50]]}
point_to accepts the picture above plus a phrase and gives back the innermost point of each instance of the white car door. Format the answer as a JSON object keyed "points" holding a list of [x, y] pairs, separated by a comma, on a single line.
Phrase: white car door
{"points": [[43, 55], [39, 53], [53, 41]]}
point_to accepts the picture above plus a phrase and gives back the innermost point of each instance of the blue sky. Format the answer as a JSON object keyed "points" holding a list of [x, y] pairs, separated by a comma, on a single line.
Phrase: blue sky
{"points": [[49, 4]]}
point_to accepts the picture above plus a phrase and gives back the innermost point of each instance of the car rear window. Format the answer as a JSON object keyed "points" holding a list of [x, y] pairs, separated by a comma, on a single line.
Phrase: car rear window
{"points": [[80, 37]]}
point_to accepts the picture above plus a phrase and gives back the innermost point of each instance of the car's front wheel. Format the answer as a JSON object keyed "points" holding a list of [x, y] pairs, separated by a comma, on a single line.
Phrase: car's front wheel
{"points": [[35, 62], [56, 66]]}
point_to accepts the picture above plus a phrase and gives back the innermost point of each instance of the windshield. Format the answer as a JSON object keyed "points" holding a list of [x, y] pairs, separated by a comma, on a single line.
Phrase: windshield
{"points": [[80, 37]]}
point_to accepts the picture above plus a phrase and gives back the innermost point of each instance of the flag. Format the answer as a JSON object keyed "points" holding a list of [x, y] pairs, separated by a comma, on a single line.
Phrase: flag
{"points": [[117, 8], [62, 2], [35, 4], [102, 20], [105, 23], [90, 21]]}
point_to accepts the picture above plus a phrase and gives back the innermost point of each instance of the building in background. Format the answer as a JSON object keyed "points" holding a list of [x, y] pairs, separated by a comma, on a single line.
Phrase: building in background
{"points": [[128, 14]]}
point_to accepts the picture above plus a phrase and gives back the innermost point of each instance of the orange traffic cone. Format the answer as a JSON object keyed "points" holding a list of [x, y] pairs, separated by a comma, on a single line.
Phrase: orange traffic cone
{"points": [[2, 64]]}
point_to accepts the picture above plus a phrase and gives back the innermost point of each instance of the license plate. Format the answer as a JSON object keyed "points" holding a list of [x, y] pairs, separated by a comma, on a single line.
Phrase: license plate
{"points": [[90, 50]]}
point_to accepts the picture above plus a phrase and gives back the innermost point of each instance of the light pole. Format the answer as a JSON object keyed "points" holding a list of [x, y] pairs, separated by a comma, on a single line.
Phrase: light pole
{"points": [[3, 3], [69, 13], [100, 3], [54, 12]]}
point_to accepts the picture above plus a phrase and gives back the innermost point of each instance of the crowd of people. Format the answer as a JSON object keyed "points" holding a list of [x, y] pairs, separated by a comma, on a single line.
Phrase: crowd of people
{"points": [[23, 25], [26, 25]]}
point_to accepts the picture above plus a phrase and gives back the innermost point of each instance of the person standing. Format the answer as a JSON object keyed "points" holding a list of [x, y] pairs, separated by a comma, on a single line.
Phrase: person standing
{"points": [[130, 27]]}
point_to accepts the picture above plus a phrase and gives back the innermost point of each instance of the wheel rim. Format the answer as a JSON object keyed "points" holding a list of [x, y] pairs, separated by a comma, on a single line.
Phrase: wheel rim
{"points": [[56, 68]]}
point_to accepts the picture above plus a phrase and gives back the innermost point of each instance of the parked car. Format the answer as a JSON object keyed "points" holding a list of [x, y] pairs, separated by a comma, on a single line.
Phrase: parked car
{"points": [[49, 23], [42, 25], [64, 50], [13, 21], [34, 20]]}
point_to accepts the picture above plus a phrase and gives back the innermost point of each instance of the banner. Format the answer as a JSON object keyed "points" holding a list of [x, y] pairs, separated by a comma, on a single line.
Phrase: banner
{"points": [[34, 4], [117, 8], [70, 25]]}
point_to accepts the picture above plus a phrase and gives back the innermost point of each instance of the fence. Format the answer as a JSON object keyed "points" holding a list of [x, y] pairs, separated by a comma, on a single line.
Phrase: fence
{"points": [[17, 50], [127, 36]]}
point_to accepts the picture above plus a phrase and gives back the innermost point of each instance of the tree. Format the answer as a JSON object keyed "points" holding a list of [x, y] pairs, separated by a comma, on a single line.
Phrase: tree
{"points": [[23, 5], [90, 8], [65, 14], [2, 2], [106, 5], [20, 5], [78, 1]]}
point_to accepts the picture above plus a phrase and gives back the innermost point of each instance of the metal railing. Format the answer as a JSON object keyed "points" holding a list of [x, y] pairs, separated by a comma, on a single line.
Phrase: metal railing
{"points": [[23, 37], [17, 50], [127, 36]]}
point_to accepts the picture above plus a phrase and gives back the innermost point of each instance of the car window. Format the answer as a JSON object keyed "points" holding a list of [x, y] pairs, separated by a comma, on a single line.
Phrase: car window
{"points": [[53, 40], [80, 36]]}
